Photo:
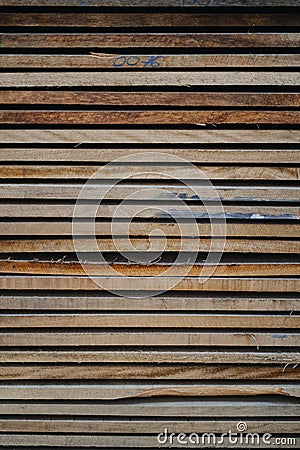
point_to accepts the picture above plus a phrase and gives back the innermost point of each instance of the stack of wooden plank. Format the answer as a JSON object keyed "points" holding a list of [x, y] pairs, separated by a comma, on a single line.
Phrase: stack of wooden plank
{"points": [[208, 83]]}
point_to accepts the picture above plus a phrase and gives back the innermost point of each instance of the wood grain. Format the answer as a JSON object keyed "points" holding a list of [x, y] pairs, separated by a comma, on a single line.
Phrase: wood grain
{"points": [[42, 228], [255, 284], [141, 78], [203, 99], [148, 117], [148, 136], [94, 60], [145, 371]]}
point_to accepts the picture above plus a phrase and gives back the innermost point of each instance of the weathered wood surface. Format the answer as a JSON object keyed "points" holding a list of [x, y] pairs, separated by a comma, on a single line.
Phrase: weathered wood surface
{"points": [[150, 284], [128, 320], [162, 155], [141, 426], [75, 268], [286, 360], [142, 78], [49, 228], [171, 99], [163, 172], [148, 117], [146, 371], [221, 302], [95, 60], [116, 391], [149, 136], [148, 19], [150, 40]]}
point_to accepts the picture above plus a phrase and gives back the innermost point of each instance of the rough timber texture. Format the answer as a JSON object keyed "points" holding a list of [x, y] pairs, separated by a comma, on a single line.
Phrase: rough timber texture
{"points": [[210, 82]]}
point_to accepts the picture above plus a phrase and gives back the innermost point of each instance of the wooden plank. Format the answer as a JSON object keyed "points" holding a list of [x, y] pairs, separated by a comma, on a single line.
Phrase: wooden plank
{"points": [[156, 245], [162, 155], [124, 283], [150, 40], [146, 371], [162, 211], [164, 171], [162, 192], [119, 61], [142, 78], [197, 408], [152, 3], [117, 391], [148, 117], [288, 359], [44, 228], [149, 19], [73, 268], [148, 136], [153, 338], [114, 441], [106, 320], [137, 426], [171, 99], [221, 302]]}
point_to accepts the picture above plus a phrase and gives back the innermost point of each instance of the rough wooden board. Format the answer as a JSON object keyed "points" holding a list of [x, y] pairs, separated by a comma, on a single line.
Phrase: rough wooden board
{"points": [[148, 117], [199, 321], [153, 338], [72, 268], [156, 245], [148, 136], [222, 302], [197, 408], [146, 371], [166, 172], [170, 99], [116, 391], [149, 40], [116, 61], [162, 155], [142, 78], [148, 19], [114, 441], [171, 193], [137, 426], [289, 358], [49, 228]]}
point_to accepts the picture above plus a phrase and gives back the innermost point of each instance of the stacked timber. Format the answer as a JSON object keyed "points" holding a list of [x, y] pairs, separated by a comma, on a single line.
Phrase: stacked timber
{"points": [[182, 115]]}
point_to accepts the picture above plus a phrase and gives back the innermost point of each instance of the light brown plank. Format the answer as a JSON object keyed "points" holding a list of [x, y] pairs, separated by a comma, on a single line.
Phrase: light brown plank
{"points": [[115, 441], [44, 228], [149, 136], [73, 268], [171, 99], [136, 426], [149, 40], [221, 302], [147, 371], [147, 321], [146, 20], [95, 60], [197, 408], [116, 391], [162, 172], [124, 283], [148, 117], [163, 155], [284, 359], [140, 244], [142, 78], [142, 192]]}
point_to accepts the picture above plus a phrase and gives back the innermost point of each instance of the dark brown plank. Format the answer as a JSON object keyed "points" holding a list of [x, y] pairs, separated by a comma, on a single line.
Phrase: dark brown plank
{"points": [[152, 3]]}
